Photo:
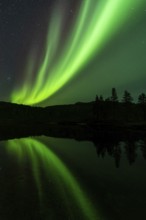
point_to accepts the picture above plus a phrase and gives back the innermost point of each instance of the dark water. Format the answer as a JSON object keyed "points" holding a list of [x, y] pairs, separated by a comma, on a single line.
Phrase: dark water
{"points": [[48, 178]]}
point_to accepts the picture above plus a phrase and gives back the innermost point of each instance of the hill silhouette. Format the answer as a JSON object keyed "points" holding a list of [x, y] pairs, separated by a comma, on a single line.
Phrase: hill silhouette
{"points": [[99, 116]]}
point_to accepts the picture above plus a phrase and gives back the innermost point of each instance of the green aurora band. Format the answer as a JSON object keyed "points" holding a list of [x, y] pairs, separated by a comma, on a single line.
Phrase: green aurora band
{"points": [[96, 23], [43, 159]]}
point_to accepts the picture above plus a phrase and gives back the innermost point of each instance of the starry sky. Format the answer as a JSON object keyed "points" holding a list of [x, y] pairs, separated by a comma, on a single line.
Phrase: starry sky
{"points": [[65, 51]]}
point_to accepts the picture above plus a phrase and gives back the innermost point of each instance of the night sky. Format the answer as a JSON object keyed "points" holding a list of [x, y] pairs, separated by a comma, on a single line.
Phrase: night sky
{"points": [[65, 51]]}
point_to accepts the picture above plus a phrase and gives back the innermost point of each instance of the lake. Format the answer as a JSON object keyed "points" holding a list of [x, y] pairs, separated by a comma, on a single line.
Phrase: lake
{"points": [[45, 178]]}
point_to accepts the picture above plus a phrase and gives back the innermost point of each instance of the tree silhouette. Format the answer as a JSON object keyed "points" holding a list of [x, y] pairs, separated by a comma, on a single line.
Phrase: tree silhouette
{"points": [[101, 98], [127, 98], [114, 97], [142, 98], [113, 109], [97, 98]]}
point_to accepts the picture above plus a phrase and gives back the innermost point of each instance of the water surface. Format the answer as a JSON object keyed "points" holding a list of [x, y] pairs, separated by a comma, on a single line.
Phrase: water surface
{"points": [[53, 178]]}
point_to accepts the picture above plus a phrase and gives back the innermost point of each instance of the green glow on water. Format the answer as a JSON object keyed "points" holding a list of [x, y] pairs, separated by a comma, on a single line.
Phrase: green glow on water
{"points": [[41, 157]]}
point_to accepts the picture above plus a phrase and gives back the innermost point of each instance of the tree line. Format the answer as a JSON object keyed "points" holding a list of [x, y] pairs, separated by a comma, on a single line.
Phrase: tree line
{"points": [[112, 108], [127, 97]]}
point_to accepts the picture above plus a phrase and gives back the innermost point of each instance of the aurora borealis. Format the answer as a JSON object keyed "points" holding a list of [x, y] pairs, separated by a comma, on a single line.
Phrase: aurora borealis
{"points": [[85, 47]]}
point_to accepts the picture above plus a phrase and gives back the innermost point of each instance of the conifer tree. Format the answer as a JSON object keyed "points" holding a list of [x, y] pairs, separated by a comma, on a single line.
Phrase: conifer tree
{"points": [[142, 98], [127, 98], [114, 97]]}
